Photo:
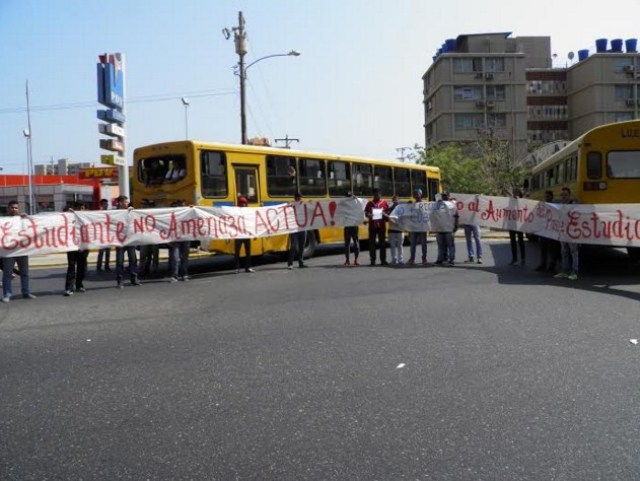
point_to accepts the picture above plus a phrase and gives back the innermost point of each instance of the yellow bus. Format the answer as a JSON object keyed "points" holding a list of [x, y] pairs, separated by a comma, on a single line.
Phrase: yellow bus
{"points": [[601, 166], [217, 174]]}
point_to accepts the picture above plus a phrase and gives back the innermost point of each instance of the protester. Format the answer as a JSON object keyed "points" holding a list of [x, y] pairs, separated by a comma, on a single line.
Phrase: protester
{"points": [[243, 202], [76, 262], [396, 236], [416, 238], [471, 236], [374, 212], [123, 203], [444, 223], [149, 264], [8, 263], [568, 250], [516, 238], [296, 242], [351, 234], [179, 254], [104, 253], [549, 248]]}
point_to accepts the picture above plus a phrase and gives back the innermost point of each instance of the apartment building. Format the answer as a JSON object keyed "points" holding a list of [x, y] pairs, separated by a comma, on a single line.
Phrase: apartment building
{"points": [[492, 83]]}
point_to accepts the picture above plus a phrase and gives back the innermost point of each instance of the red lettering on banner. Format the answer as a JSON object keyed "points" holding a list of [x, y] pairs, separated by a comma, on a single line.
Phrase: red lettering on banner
{"points": [[318, 212], [120, 235], [332, 211], [272, 216], [7, 243], [261, 224], [296, 208], [172, 230], [285, 208], [474, 206]]}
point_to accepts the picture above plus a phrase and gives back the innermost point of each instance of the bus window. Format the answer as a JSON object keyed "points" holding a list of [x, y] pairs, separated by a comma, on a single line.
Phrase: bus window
{"points": [[339, 178], [402, 182], [312, 178], [383, 180], [434, 188], [419, 181], [362, 180], [594, 165], [281, 176], [624, 165], [213, 173], [153, 170], [572, 172]]}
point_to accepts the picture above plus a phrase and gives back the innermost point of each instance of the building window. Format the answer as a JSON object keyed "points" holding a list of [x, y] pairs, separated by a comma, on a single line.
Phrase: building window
{"points": [[622, 116], [469, 121], [466, 65], [467, 93], [494, 64], [497, 120], [495, 92], [623, 92]]}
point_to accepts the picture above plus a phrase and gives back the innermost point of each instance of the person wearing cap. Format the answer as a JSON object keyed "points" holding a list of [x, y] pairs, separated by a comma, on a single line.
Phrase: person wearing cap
{"points": [[374, 211], [296, 242], [351, 233], [444, 223], [416, 238], [243, 202]]}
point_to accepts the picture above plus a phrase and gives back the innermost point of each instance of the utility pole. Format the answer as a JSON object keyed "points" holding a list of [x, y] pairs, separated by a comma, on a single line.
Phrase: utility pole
{"points": [[240, 39], [287, 141], [401, 150]]}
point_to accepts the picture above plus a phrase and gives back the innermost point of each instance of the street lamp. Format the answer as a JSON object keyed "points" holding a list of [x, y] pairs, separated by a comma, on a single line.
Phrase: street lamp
{"points": [[27, 136], [185, 102], [240, 39]]}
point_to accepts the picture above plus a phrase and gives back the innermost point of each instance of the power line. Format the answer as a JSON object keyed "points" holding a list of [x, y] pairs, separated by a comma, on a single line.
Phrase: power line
{"points": [[133, 100]]}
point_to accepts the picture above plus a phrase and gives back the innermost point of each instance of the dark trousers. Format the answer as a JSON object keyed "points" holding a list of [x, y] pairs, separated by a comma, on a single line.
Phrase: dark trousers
{"points": [[549, 253], [133, 263], [351, 234], [380, 234], [104, 254], [247, 253], [513, 234], [76, 269], [296, 249]]}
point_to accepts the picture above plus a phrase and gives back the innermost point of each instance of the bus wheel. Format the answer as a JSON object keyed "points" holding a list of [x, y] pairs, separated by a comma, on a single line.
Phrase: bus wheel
{"points": [[310, 244], [634, 253]]}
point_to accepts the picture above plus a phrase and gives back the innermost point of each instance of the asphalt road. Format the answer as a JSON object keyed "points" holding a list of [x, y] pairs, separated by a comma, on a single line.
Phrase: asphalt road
{"points": [[473, 372]]}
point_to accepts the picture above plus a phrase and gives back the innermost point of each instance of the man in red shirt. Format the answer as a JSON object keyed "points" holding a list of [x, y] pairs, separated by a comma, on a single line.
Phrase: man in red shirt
{"points": [[374, 211]]}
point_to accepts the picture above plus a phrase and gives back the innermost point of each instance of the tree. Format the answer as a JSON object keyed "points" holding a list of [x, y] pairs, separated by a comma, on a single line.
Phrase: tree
{"points": [[459, 172]]}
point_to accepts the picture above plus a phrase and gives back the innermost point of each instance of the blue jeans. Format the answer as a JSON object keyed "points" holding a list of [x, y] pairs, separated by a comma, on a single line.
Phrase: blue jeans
{"points": [[296, 249], [473, 231], [7, 272], [569, 254], [133, 263], [179, 258]]}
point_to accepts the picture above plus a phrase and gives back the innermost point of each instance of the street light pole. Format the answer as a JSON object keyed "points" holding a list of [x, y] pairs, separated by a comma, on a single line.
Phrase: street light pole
{"points": [[240, 39], [27, 133], [185, 102]]}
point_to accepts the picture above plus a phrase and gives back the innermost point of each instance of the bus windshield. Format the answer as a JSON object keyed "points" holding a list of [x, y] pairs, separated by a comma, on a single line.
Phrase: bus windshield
{"points": [[162, 169]]}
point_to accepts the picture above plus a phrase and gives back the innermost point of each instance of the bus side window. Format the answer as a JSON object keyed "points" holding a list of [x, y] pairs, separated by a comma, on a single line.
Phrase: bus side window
{"points": [[594, 165]]}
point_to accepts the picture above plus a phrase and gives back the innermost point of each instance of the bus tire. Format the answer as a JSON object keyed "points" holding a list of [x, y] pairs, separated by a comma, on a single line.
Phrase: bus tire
{"points": [[634, 253], [310, 244]]}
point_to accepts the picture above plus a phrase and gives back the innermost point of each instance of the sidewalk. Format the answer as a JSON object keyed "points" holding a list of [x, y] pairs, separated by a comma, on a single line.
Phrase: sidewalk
{"points": [[60, 259]]}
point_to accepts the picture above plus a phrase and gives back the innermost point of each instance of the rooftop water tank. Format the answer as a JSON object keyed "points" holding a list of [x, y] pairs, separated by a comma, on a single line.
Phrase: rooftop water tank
{"points": [[601, 45], [582, 55], [616, 45], [631, 45], [451, 44]]}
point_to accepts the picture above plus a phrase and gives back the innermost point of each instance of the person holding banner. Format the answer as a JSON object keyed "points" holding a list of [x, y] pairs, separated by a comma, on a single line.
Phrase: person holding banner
{"points": [[513, 234], [549, 248], [104, 253], [296, 242], [395, 236], [568, 250], [351, 234], [123, 203], [473, 231], [76, 263], [444, 222], [238, 243], [9, 262], [374, 211], [418, 237]]}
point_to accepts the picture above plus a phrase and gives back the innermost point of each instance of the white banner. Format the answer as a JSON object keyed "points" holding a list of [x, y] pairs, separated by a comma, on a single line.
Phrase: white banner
{"points": [[604, 224], [61, 232], [410, 217]]}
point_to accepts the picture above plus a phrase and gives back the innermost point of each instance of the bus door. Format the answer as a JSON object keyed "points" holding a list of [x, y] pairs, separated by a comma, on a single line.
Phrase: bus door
{"points": [[248, 186]]}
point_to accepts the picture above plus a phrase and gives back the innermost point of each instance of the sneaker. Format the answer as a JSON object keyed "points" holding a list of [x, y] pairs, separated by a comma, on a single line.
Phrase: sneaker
{"points": [[68, 293], [175, 279], [6, 300], [425, 263], [561, 275], [289, 267], [573, 276], [470, 261], [513, 262], [250, 270], [237, 271], [29, 296], [302, 266], [479, 261], [136, 282], [411, 262], [346, 263], [438, 263], [120, 285], [184, 278], [81, 289], [450, 263], [356, 263]]}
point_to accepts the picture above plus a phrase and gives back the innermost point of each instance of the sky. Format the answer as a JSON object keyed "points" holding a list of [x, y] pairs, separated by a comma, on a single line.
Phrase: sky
{"points": [[356, 88]]}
